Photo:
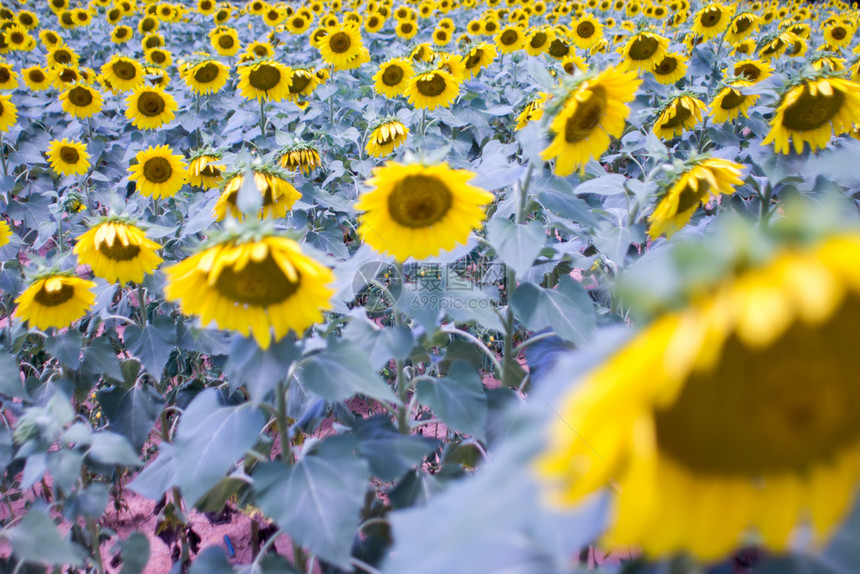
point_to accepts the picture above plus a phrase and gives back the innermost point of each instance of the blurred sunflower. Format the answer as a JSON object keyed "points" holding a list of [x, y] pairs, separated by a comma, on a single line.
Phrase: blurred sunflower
{"points": [[750, 71], [538, 40], [61, 55], [158, 173], [55, 299], [260, 50], [123, 73], [341, 46], [159, 57], [225, 42], [406, 29], [532, 111], [573, 63], [744, 47], [117, 251], [252, 287], [303, 157], [374, 23], [451, 63], [121, 35], [750, 400], [681, 113], [5, 233], [510, 39], [812, 110], [207, 76], [586, 31], [671, 68], [265, 80], [386, 137], [150, 108], [729, 103], [742, 26], [8, 77], [298, 24], [643, 51], [838, 34], [417, 211], [204, 170], [712, 20], [558, 48], [693, 187], [68, 157], [479, 58], [278, 194], [432, 89], [81, 101], [593, 111]]}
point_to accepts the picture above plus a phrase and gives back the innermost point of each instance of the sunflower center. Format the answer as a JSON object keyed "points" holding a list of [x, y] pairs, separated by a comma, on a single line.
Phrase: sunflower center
{"points": [[80, 96], [16, 37], [259, 283], [124, 70], [538, 40], [586, 117], [810, 112], [121, 32], [260, 51], [264, 77], [147, 25], [210, 171], [433, 87], [490, 26], [643, 47], [36, 76], [419, 201], [690, 197], [62, 57], [206, 73], [732, 100], [682, 114], [585, 29], [157, 170], [509, 37], [300, 82], [68, 76], [66, 18], [711, 17], [157, 56], [150, 104], [838, 33], [339, 42], [5, 75], [69, 155], [54, 298], [153, 42], [762, 411], [117, 251], [474, 59], [742, 24], [667, 66], [748, 71], [226, 41]]}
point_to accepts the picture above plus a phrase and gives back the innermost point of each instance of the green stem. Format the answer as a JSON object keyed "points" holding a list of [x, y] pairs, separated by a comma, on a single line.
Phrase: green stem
{"points": [[281, 417], [3, 156], [423, 122], [94, 535], [60, 233], [263, 117], [141, 302], [331, 97], [524, 198]]}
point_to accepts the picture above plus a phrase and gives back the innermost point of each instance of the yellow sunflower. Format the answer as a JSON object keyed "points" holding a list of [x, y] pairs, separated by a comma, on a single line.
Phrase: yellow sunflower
{"points": [[432, 89], [204, 170], [750, 404], [594, 111], [207, 77], [265, 80], [302, 83], [839, 34], [303, 157], [479, 58], [813, 110], [729, 103], [8, 113], [226, 42], [681, 113], [159, 57], [341, 46], [538, 41], [118, 251], [643, 51], [586, 31], [406, 29], [279, 196], [298, 24], [712, 20], [121, 34], [533, 111], [253, 287], [694, 187], [510, 39], [8, 77], [749, 71], [392, 78], [61, 55], [81, 101], [454, 64], [417, 211], [123, 72], [150, 108], [745, 47], [158, 173], [386, 137], [68, 157], [55, 300], [670, 69], [742, 26]]}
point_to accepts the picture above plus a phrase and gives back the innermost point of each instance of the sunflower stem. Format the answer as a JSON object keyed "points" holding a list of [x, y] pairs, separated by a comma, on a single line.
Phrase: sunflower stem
{"points": [[90, 128], [263, 117], [331, 97], [141, 302], [281, 417], [60, 232], [3, 156], [423, 121], [524, 197]]}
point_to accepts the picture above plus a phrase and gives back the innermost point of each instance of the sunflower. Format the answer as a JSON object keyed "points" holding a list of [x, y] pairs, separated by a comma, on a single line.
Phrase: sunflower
{"points": [[150, 108], [643, 50], [729, 103], [36, 78], [594, 110], [694, 187], [81, 101], [573, 63], [302, 83], [5, 233], [838, 34], [55, 300], [712, 20], [406, 29], [533, 111], [828, 64], [159, 57], [538, 41], [386, 137], [152, 40], [8, 77], [341, 46], [374, 22], [750, 399], [204, 170], [279, 195], [811, 111], [586, 31], [680, 113], [8, 113], [303, 157], [510, 39], [422, 53], [147, 24], [261, 50], [558, 48], [298, 24], [749, 71], [451, 63], [441, 36], [432, 89], [123, 73], [742, 26], [479, 58], [50, 39], [27, 19], [68, 157], [121, 34], [118, 251], [417, 211], [226, 42], [61, 55], [207, 76], [158, 172], [252, 287], [265, 80], [670, 69], [17, 38]]}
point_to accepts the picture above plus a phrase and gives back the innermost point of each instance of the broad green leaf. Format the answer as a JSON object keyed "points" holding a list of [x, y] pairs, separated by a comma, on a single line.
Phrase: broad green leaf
{"points": [[35, 539], [389, 452], [457, 399], [111, 448], [609, 184], [66, 347], [100, 359], [567, 309], [518, 245], [158, 476], [342, 371], [10, 378], [211, 560], [135, 553], [131, 412], [152, 344]]}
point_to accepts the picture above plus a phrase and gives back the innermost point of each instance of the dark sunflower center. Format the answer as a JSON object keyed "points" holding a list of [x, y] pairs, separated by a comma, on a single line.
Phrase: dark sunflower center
{"points": [[300, 82], [392, 75], [537, 40], [742, 24], [205, 5], [585, 29], [690, 198], [838, 33], [36, 76], [260, 51], [406, 28], [62, 57], [586, 117], [147, 25], [121, 32], [210, 171], [810, 112], [66, 18], [339, 42], [124, 70], [643, 47], [474, 59], [732, 100], [206, 73], [68, 75], [157, 170], [117, 251], [69, 155], [16, 37], [25, 19], [158, 56], [711, 17], [432, 87], [419, 201], [264, 77], [5, 75], [372, 21], [490, 26], [259, 283], [509, 37], [114, 14], [682, 114], [58, 3], [226, 41], [54, 298], [153, 42], [749, 71], [667, 66], [150, 104], [272, 15], [298, 22], [80, 96], [787, 407]]}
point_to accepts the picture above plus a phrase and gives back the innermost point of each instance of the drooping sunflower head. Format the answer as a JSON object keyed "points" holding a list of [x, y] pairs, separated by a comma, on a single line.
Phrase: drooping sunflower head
{"points": [[385, 137], [265, 80], [68, 157], [301, 156], [303, 81], [117, 250], [678, 115], [432, 89], [204, 169], [54, 299], [750, 71], [532, 111], [417, 211], [159, 173], [742, 26], [278, 194]]}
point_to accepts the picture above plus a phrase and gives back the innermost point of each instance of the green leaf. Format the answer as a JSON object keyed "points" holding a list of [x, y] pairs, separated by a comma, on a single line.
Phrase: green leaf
{"points": [[131, 412], [65, 467], [35, 539], [10, 378], [111, 448], [389, 452], [517, 245], [100, 359], [567, 310], [211, 561], [342, 371], [457, 399], [135, 553], [66, 348], [152, 344], [317, 500], [158, 476]]}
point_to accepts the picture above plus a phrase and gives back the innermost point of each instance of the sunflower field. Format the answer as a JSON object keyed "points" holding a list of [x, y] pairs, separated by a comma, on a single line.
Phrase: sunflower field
{"points": [[429, 286]]}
